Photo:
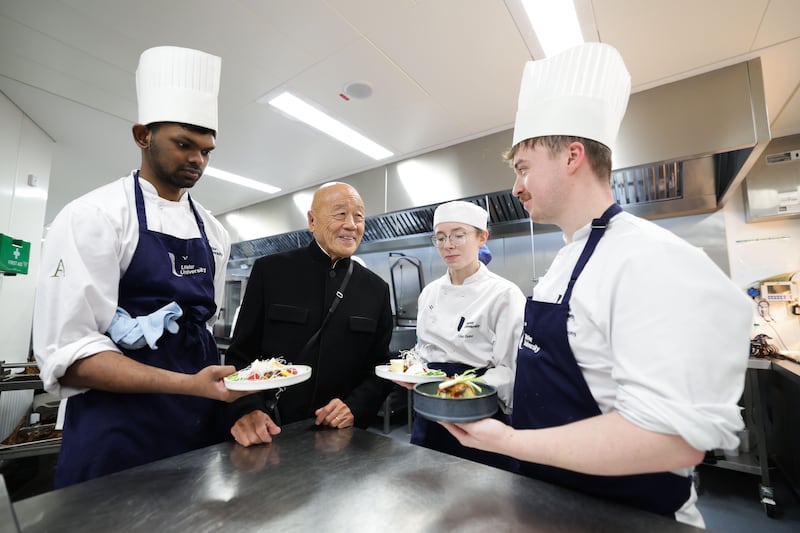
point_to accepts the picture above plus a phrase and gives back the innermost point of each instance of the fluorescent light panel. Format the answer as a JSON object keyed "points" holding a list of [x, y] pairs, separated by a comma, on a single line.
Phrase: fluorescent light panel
{"points": [[239, 180], [555, 23], [291, 105]]}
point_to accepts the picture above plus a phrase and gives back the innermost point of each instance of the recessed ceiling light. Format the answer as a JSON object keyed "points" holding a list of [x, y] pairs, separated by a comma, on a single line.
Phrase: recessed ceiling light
{"points": [[297, 108], [240, 180]]}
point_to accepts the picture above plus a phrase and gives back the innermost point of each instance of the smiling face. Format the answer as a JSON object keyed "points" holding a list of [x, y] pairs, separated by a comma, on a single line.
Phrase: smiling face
{"points": [[173, 156], [540, 182], [337, 219]]}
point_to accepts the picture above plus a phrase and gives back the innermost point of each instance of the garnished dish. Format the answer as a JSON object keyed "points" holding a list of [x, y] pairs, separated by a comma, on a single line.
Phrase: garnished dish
{"points": [[461, 385], [461, 398], [409, 368], [263, 374]]}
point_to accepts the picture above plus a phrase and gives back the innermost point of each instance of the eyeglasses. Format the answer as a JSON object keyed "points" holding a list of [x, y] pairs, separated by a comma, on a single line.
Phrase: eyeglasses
{"points": [[456, 239]]}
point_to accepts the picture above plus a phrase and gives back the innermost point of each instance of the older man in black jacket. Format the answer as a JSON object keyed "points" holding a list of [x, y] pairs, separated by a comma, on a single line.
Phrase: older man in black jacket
{"points": [[286, 302]]}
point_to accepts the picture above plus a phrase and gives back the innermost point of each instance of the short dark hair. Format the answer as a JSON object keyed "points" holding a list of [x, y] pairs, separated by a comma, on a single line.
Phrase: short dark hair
{"points": [[155, 126], [599, 154]]}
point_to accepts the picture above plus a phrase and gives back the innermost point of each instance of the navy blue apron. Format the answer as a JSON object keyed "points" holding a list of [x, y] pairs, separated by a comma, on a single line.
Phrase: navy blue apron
{"points": [[550, 390], [106, 432], [432, 435]]}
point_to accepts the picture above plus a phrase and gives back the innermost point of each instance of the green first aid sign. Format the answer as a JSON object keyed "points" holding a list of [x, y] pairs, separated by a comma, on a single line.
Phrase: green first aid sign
{"points": [[14, 255]]}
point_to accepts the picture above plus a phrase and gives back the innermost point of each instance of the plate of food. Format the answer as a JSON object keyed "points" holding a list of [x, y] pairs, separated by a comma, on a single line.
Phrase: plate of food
{"points": [[419, 376], [264, 374], [409, 368], [462, 398]]}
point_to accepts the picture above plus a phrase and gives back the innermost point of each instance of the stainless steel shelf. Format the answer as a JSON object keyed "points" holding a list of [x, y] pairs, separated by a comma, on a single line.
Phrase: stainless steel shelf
{"points": [[20, 384], [30, 449], [14, 382], [744, 462]]}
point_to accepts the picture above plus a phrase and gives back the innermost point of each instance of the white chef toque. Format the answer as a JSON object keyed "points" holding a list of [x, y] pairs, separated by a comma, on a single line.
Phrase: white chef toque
{"points": [[176, 84], [581, 92], [461, 211]]}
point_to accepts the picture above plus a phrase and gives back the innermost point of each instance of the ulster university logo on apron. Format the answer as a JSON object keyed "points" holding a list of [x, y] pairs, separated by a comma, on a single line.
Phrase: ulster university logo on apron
{"points": [[527, 343], [183, 266]]}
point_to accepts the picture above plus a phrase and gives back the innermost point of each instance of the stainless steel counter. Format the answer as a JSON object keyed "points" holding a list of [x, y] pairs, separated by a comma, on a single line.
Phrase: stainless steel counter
{"points": [[324, 480], [8, 522]]}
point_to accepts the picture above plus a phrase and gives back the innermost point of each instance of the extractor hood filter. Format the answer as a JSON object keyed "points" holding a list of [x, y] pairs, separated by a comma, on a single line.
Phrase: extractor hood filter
{"points": [[650, 183]]}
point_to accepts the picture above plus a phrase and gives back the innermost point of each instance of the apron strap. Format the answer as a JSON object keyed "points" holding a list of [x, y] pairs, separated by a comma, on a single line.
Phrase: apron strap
{"points": [[334, 305], [272, 400], [142, 216], [599, 226]]}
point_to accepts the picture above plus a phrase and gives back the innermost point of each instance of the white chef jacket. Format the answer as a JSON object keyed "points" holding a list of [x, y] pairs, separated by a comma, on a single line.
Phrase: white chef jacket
{"points": [[490, 310], [660, 333], [87, 251]]}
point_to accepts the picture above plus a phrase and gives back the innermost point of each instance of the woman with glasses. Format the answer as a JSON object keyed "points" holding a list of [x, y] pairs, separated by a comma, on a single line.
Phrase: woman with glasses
{"points": [[468, 318]]}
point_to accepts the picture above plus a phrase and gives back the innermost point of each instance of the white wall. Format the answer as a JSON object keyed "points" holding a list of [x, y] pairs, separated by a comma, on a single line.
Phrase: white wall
{"points": [[761, 250], [24, 149]]}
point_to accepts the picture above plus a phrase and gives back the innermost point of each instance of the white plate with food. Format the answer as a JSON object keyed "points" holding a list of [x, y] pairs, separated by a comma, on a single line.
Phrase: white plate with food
{"points": [[383, 371], [267, 374]]}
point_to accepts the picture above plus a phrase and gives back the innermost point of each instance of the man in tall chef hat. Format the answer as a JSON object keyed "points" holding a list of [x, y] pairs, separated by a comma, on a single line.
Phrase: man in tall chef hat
{"points": [[622, 381], [132, 276]]}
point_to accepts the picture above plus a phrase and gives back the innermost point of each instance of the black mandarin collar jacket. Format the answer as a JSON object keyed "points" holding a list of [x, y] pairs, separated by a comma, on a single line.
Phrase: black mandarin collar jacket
{"points": [[286, 298]]}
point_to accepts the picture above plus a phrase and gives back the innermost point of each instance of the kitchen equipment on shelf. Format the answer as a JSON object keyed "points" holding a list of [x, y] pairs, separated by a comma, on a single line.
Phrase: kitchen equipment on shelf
{"points": [[407, 283]]}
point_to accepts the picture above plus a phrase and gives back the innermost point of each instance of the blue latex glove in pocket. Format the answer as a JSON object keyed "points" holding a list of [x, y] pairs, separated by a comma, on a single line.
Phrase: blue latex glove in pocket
{"points": [[485, 255], [135, 333]]}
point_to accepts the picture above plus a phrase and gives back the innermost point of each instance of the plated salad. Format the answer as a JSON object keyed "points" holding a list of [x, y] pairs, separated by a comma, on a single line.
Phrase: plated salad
{"points": [[461, 385], [262, 369], [414, 366]]}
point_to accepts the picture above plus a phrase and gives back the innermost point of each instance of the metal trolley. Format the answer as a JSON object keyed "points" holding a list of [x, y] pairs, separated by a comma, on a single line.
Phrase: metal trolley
{"points": [[13, 382], [757, 460]]}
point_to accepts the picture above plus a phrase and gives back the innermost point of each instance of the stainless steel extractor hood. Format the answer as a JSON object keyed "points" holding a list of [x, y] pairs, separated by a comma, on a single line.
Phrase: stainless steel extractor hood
{"points": [[407, 228], [683, 148]]}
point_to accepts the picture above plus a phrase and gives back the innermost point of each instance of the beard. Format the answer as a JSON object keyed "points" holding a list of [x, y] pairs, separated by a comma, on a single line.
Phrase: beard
{"points": [[167, 174]]}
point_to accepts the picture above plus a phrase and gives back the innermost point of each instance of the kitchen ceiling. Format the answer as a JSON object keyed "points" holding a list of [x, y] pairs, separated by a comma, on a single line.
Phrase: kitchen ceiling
{"points": [[441, 72]]}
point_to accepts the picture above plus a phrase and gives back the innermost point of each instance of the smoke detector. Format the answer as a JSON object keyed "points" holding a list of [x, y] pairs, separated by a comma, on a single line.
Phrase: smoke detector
{"points": [[356, 89]]}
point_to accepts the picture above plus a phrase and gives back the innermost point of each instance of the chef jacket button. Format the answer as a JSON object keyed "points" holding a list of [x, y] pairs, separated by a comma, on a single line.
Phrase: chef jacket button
{"points": [[332, 273]]}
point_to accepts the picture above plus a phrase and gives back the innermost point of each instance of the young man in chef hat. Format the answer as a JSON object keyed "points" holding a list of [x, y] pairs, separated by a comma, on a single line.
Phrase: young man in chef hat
{"points": [[635, 344], [132, 276]]}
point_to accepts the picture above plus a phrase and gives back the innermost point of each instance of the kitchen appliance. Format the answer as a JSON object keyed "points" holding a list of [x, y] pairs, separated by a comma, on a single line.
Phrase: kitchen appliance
{"points": [[780, 291], [407, 283]]}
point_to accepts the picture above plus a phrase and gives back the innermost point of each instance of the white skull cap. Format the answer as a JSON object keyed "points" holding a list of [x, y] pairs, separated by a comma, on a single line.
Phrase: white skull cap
{"points": [[461, 211], [580, 92], [176, 84]]}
